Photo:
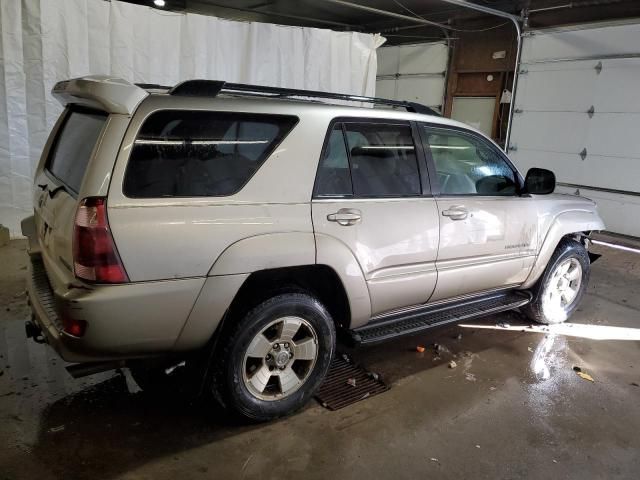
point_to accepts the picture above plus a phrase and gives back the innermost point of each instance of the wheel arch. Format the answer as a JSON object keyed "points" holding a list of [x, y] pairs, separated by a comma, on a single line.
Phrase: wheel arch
{"points": [[247, 271], [566, 224], [265, 251], [224, 298], [297, 250], [319, 280]]}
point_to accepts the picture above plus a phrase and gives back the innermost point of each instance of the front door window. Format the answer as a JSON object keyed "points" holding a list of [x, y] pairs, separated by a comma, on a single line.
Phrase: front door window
{"points": [[467, 165]]}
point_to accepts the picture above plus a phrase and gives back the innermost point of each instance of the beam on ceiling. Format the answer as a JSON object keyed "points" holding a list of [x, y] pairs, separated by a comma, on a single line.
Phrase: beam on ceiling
{"points": [[258, 10], [400, 16]]}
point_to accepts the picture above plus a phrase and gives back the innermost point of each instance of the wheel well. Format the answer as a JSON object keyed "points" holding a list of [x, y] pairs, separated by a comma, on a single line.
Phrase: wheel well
{"points": [[580, 237], [319, 280]]}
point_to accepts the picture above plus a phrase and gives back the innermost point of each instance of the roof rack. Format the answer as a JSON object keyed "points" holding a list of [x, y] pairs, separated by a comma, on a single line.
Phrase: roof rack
{"points": [[152, 86], [211, 88]]}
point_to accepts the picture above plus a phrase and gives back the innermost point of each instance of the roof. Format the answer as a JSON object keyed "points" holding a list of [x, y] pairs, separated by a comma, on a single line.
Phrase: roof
{"points": [[116, 95]]}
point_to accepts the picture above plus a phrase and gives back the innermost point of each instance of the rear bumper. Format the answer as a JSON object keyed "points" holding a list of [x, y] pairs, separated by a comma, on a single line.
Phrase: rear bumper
{"points": [[123, 321], [45, 314]]}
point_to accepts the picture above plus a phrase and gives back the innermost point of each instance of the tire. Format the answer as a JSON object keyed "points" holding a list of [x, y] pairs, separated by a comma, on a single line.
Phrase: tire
{"points": [[557, 295], [275, 339]]}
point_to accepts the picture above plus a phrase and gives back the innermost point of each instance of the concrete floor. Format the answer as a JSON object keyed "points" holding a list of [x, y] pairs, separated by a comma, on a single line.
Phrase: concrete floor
{"points": [[512, 408]]}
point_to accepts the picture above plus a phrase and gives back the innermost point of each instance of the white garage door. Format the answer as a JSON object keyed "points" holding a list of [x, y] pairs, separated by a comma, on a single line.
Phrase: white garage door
{"points": [[414, 73], [578, 114]]}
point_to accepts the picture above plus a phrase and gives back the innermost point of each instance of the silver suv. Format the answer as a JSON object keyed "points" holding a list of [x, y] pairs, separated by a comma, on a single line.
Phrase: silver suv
{"points": [[236, 228]]}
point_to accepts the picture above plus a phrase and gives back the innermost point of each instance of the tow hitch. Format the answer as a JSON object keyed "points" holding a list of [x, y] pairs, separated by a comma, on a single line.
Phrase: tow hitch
{"points": [[33, 331]]}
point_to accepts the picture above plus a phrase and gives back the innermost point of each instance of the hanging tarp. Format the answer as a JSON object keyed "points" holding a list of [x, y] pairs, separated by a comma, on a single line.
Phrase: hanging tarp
{"points": [[44, 41]]}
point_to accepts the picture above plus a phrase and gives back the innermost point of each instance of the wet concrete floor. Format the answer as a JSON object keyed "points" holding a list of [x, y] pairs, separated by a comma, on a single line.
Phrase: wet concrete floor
{"points": [[512, 408]]}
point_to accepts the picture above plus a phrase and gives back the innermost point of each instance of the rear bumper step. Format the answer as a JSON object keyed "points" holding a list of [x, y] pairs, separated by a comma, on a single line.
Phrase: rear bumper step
{"points": [[80, 370], [428, 317]]}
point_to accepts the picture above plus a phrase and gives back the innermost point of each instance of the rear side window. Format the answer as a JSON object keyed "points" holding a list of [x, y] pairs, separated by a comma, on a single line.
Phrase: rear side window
{"points": [[369, 160], [383, 160], [199, 154], [73, 146], [334, 178]]}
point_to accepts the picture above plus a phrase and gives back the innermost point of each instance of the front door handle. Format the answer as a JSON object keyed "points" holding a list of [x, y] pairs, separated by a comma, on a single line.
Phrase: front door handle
{"points": [[456, 213], [345, 216]]}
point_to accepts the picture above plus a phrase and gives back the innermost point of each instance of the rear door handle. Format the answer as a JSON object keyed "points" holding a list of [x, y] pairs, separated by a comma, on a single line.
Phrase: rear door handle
{"points": [[345, 216], [456, 213]]}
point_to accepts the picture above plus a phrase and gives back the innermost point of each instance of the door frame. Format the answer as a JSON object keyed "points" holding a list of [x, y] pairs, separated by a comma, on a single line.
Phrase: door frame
{"points": [[426, 173], [431, 166], [425, 196]]}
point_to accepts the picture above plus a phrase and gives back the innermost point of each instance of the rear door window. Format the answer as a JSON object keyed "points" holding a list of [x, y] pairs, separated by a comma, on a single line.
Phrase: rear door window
{"points": [[74, 145], [383, 160], [369, 160], [199, 153]]}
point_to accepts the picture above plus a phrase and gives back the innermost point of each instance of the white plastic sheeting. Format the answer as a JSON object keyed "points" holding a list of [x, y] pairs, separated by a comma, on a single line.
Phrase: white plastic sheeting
{"points": [[44, 41]]}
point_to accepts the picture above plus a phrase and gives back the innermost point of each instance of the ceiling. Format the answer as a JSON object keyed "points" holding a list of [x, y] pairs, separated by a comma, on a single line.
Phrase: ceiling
{"points": [[327, 14]]}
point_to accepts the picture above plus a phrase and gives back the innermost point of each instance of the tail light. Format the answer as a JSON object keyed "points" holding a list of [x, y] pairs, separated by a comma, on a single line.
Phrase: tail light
{"points": [[95, 258]]}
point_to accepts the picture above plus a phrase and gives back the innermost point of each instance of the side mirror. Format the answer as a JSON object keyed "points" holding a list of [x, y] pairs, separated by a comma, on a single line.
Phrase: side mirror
{"points": [[539, 181]]}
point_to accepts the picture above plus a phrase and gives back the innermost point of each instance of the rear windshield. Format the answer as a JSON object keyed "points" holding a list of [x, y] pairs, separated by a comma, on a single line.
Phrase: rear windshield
{"points": [[74, 145], [197, 153]]}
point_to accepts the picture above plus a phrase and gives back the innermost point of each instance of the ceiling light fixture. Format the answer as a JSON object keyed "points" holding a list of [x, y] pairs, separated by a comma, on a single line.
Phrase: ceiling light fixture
{"points": [[159, 3]]}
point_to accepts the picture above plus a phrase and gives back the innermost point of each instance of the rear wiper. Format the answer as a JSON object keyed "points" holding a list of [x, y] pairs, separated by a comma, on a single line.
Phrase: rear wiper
{"points": [[52, 193]]}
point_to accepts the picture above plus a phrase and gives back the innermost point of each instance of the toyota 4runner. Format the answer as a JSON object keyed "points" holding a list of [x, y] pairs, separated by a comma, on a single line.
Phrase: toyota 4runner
{"points": [[238, 227]]}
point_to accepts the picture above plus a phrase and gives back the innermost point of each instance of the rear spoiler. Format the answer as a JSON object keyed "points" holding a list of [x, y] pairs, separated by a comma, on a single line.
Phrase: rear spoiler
{"points": [[110, 94]]}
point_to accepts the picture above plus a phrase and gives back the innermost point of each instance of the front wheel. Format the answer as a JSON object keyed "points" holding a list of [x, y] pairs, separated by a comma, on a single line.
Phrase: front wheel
{"points": [[562, 285], [274, 359]]}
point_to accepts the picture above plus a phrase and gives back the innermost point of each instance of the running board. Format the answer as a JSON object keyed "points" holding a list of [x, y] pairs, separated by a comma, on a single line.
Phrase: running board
{"points": [[407, 323]]}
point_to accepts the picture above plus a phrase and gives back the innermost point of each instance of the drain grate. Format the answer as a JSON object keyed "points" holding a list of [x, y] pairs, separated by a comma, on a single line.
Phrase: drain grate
{"points": [[347, 383]]}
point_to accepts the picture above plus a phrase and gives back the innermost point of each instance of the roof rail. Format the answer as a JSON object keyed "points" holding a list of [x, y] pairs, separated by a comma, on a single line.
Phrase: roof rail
{"points": [[211, 88], [152, 86]]}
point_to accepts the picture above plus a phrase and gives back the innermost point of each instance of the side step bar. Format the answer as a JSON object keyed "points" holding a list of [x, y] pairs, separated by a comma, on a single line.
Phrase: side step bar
{"points": [[407, 323]]}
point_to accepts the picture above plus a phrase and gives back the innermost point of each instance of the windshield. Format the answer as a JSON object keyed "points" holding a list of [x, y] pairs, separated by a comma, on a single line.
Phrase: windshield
{"points": [[73, 146]]}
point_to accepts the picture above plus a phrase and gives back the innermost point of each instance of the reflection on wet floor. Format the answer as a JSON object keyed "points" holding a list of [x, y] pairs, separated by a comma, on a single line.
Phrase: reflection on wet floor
{"points": [[593, 332], [544, 358]]}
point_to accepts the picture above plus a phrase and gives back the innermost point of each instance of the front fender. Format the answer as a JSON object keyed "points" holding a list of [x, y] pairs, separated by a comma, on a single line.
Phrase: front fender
{"points": [[567, 222]]}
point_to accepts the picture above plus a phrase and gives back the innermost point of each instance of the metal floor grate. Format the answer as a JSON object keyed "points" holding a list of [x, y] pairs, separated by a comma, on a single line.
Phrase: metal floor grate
{"points": [[346, 384]]}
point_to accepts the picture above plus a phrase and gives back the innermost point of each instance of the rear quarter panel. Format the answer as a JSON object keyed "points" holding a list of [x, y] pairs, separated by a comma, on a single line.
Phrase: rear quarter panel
{"points": [[162, 238]]}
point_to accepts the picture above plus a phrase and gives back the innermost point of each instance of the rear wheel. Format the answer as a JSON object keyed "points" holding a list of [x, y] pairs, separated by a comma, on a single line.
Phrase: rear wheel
{"points": [[562, 285], [276, 356]]}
